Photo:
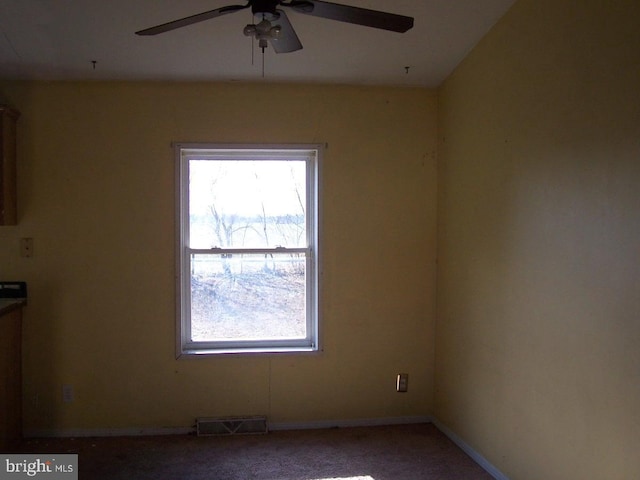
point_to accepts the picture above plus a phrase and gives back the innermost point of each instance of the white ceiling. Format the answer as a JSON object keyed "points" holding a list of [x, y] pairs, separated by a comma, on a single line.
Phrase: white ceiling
{"points": [[60, 39]]}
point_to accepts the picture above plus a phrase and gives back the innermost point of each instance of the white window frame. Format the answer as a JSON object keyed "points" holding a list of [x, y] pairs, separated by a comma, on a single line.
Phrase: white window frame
{"points": [[312, 154]]}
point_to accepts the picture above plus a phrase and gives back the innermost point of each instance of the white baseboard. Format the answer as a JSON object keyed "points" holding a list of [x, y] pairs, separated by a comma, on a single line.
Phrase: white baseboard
{"points": [[479, 459], [142, 431], [345, 423]]}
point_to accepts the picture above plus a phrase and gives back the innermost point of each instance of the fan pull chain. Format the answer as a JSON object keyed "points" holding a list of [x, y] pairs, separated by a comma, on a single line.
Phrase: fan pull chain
{"points": [[262, 46], [253, 46]]}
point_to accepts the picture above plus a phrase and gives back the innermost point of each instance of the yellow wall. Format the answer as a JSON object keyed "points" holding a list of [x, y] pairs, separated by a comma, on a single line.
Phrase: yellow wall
{"points": [[538, 331], [96, 193], [537, 360]]}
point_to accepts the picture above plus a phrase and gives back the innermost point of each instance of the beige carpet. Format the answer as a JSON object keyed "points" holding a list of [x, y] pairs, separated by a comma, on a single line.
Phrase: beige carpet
{"points": [[402, 452]]}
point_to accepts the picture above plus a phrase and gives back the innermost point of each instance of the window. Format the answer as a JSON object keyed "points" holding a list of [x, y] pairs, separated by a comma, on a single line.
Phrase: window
{"points": [[247, 248]]}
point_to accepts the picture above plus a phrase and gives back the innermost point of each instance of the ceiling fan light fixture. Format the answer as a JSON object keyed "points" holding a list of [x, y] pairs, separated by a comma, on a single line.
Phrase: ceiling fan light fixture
{"points": [[263, 32], [274, 33], [249, 30]]}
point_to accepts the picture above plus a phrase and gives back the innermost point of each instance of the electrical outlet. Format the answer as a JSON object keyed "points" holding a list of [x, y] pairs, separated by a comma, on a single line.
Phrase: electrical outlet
{"points": [[26, 247], [402, 382], [67, 393]]}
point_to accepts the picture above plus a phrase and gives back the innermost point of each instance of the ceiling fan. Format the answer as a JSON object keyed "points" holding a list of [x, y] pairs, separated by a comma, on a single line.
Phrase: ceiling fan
{"points": [[274, 26]]}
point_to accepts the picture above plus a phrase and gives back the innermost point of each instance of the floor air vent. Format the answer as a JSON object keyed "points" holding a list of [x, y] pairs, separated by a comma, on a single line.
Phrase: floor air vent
{"points": [[231, 426]]}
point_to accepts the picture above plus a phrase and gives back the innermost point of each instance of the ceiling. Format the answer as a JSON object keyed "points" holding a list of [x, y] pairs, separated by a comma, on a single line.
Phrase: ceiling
{"points": [[95, 40]]}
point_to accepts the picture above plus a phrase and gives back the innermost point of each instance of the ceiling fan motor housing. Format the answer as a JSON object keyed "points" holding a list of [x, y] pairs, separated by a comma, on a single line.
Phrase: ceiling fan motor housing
{"points": [[265, 9]]}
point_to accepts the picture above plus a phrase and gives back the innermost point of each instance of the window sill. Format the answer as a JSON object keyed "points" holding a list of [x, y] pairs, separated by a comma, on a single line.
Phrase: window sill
{"points": [[194, 353]]}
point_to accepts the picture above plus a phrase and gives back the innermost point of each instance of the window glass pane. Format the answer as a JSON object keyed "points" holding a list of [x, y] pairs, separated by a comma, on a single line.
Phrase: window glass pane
{"points": [[247, 204], [248, 297]]}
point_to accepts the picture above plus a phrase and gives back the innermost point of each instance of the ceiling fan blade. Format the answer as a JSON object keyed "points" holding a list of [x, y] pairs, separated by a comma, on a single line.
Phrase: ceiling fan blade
{"points": [[287, 41], [359, 16], [183, 22]]}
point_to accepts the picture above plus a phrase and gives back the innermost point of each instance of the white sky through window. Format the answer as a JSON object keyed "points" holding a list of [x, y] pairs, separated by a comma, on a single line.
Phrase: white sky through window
{"points": [[247, 186]]}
